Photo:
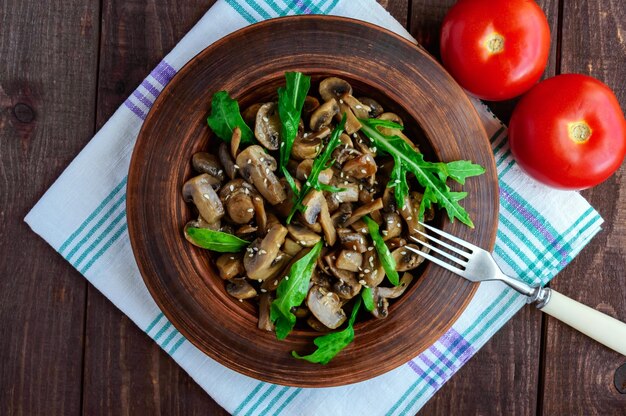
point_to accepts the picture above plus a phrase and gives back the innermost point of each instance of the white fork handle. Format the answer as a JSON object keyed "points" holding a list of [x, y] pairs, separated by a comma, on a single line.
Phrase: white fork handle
{"points": [[601, 327]]}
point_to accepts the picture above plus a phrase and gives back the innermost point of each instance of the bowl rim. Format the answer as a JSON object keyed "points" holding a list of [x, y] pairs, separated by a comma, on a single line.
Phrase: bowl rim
{"points": [[153, 114]]}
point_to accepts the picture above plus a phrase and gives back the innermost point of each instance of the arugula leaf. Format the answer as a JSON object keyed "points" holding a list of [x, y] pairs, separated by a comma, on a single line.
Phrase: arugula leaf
{"points": [[329, 345], [290, 101], [292, 290], [225, 117], [386, 259], [368, 298], [319, 164], [216, 240], [432, 176]]}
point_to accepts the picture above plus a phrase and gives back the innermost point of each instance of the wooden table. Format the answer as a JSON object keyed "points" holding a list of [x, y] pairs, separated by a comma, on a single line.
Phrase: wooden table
{"points": [[65, 349]]}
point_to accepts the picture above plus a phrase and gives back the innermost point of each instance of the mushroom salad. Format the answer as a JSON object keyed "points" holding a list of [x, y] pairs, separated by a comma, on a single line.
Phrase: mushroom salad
{"points": [[309, 203]]}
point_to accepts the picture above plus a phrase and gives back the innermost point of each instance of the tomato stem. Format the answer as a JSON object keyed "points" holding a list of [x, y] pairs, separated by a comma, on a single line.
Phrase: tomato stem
{"points": [[494, 43], [579, 131]]}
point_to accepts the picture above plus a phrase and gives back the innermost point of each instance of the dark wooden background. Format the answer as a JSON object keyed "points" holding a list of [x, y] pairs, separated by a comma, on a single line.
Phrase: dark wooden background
{"points": [[66, 65]]}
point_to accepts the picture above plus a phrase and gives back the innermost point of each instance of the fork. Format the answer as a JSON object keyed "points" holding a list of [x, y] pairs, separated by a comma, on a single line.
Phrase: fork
{"points": [[477, 265]]}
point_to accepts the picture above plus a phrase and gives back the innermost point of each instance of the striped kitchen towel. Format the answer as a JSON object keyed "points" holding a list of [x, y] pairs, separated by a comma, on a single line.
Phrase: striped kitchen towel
{"points": [[82, 216]]}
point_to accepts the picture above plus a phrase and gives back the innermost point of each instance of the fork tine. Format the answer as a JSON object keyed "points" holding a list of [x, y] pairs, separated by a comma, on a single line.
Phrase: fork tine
{"points": [[451, 237], [437, 261], [442, 243], [443, 253]]}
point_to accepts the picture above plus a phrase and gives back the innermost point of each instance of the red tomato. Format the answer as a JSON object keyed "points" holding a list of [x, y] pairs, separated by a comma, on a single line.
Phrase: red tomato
{"points": [[568, 132], [496, 49]]}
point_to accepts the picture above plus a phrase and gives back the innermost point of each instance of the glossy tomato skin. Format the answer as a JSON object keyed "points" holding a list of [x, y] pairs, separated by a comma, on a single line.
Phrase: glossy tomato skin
{"points": [[515, 31], [543, 124]]}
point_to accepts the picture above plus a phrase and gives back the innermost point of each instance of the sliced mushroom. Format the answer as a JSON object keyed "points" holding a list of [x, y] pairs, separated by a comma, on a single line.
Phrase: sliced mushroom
{"points": [[410, 213], [382, 294], [265, 303], [246, 231], [224, 155], [314, 323], [249, 114], [321, 279], [326, 307], [363, 210], [352, 240], [267, 126], [306, 147], [429, 213], [304, 170], [394, 243], [302, 235], [291, 247], [392, 225], [310, 105], [360, 227], [344, 153], [349, 260], [346, 140], [199, 191], [255, 167], [261, 254], [203, 162], [237, 196], [360, 167], [348, 288], [352, 123], [324, 115], [235, 141], [406, 259], [358, 108], [230, 265], [316, 206], [334, 87], [239, 288], [373, 272], [199, 224], [395, 132], [343, 212], [375, 108]]}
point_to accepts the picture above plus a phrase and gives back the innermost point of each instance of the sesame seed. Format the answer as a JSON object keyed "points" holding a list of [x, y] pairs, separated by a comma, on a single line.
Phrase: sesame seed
{"points": [[360, 187], [260, 280], [305, 176], [363, 171], [266, 119], [363, 282], [366, 271], [345, 182], [231, 187], [282, 144], [374, 242], [374, 149], [302, 242], [370, 248], [250, 210], [340, 101], [358, 106], [255, 248], [262, 252], [329, 294], [241, 300], [398, 225], [265, 181], [236, 167], [385, 232], [275, 282], [263, 290], [397, 181], [354, 247], [355, 135], [363, 230], [360, 269], [262, 159], [232, 257], [409, 218], [267, 170], [219, 172], [206, 196], [251, 255], [390, 221], [341, 174], [305, 135], [286, 277], [308, 183], [249, 161], [403, 253]]}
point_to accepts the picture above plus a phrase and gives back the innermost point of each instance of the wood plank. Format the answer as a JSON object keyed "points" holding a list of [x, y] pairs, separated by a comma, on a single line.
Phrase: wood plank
{"points": [[125, 371], [47, 104], [579, 372], [503, 377]]}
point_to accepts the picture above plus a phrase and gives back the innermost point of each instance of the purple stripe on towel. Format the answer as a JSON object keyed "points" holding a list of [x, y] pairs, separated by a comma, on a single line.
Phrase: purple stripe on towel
{"points": [[163, 73], [303, 7], [423, 375], [151, 88], [138, 112], [142, 98]]}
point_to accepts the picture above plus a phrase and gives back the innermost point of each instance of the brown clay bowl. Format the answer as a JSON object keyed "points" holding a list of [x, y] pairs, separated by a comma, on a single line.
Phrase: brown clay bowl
{"points": [[250, 64]]}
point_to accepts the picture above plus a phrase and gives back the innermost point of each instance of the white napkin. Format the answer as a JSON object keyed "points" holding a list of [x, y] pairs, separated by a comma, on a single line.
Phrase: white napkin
{"points": [[82, 216]]}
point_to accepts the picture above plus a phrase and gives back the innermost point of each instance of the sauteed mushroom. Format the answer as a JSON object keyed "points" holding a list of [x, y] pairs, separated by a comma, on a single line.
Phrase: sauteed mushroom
{"points": [[267, 126], [199, 191], [241, 190]]}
